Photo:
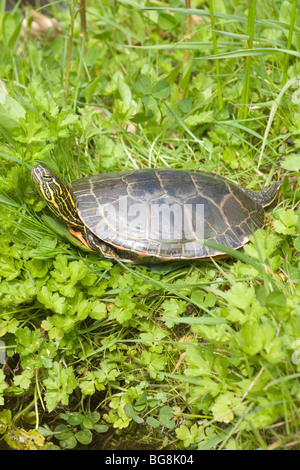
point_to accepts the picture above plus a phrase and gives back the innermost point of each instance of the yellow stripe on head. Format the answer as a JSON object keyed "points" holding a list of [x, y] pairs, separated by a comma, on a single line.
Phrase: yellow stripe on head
{"points": [[56, 193]]}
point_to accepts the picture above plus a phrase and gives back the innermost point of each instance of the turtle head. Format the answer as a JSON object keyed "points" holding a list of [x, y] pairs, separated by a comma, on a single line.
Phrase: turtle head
{"points": [[56, 193]]}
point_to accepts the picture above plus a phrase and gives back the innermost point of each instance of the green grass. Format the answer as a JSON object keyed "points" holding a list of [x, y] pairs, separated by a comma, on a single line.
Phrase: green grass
{"points": [[176, 356]]}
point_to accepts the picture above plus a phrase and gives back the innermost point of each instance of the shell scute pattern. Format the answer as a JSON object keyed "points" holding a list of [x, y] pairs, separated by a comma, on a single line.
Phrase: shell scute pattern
{"points": [[108, 204]]}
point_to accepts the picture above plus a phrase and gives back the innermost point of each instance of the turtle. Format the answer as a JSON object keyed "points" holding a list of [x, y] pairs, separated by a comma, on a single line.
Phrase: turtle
{"points": [[155, 215]]}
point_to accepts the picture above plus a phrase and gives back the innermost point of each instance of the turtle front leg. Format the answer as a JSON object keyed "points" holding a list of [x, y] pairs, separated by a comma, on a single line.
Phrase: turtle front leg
{"points": [[106, 250], [80, 237], [95, 243]]}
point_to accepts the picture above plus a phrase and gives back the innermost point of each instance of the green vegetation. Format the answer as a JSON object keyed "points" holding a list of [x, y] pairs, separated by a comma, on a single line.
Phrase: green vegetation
{"points": [[180, 356]]}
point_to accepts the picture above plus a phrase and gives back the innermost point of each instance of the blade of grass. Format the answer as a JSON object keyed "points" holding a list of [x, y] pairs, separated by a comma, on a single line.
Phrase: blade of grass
{"points": [[69, 53], [127, 31], [215, 47], [248, 52], [182, 45], [204, 320], [83, 23], [250, 32], [188, 31], [236, 254], [282, 379], [225, 16], [240, 126], [274, 108], [182, 124], [287, 57], [6, 200], [289, 42]]}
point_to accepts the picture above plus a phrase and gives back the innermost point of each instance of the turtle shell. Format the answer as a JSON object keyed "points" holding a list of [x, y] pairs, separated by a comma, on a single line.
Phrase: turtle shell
{"points": [[167, 213]]}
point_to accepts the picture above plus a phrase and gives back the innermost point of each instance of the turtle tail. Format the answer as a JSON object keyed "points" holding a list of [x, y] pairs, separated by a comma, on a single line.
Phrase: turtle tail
{"points": [[267, 195]]}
